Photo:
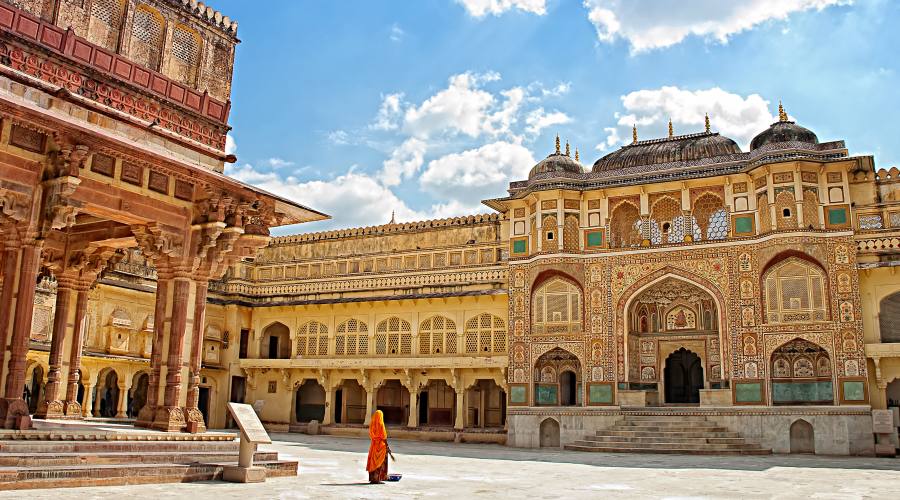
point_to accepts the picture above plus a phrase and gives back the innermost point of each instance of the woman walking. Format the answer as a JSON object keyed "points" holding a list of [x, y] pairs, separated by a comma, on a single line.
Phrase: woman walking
{"points": [[377, 463]]}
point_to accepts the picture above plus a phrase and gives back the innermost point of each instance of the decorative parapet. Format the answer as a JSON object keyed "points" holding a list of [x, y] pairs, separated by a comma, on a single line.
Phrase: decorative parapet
{"points": [[387, 229], [208, 15], [373, 362]]}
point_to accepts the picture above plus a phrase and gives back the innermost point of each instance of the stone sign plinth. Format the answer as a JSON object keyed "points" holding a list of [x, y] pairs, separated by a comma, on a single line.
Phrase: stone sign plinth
{"points": [[252, 434], [885, 430]]}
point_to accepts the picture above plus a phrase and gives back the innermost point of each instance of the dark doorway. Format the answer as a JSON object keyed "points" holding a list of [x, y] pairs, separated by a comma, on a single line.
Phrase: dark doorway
{"points": [[423, 408], [203, 404], [273, 347], [338, 405], [309, 402], [567, 389], [139, 395], [245, 339], [683, 377], [237, 396]]}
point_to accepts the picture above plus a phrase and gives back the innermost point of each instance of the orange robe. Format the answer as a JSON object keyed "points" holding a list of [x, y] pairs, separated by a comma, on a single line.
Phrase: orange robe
{"points": [[378, 449]]}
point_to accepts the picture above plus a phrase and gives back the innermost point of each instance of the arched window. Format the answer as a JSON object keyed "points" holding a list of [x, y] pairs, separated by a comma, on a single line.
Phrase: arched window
{"points": [[185, 62], [485, 334], [147, 34], [437, 335], [556, 307], [275, 342], [811, 209], [765, 218], [352, 338], [785, 210], [551, 234], [624, 226], [393, 336], [105, 23], [666, 221], [801, 374], [711, 217], [312, 339], [889, 319], [795, 292], [570, 234]]}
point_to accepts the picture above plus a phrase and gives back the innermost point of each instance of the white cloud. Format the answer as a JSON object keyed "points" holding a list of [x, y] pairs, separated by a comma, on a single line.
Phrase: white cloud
{"points": [[397, 33], [352, 199], [279, 163], [389, 113], [230, 145], [460, 108], [468, 177], [339, 137], [733, 115], [653, 24], [612, 139], [404, 162], [480, 8], [539, 119]]}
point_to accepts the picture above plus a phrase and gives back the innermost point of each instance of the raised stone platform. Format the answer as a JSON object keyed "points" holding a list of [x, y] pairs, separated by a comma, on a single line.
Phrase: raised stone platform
{"points": [[65, 454]]}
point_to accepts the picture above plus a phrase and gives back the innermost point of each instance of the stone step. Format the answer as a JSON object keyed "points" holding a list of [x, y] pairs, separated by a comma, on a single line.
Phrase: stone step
{"points": [[101, 435], [669, 428], [666, 450], [20, 478], [690, 434], [664, 439], [666, 444], [682, 418], [115, 446], [666, 423], [113, 458]]}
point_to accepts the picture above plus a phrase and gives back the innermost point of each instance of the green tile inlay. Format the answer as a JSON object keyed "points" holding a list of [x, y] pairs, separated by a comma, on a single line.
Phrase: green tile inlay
{"points": [[600, 394], [518, 394], [595, 239], [520, 246], [854, 391], [837, 216], [743, 225]]}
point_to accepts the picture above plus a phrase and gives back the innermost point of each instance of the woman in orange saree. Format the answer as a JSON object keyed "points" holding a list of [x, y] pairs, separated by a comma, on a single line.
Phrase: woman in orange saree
{"points": [[377, 462]]}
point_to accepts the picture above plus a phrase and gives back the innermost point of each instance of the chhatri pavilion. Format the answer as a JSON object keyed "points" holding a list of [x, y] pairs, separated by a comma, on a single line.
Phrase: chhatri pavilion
{"points": [[745, 292]]}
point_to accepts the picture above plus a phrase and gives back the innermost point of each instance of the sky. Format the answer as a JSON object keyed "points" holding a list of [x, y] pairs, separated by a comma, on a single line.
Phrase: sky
{"points": [[422, 108]]}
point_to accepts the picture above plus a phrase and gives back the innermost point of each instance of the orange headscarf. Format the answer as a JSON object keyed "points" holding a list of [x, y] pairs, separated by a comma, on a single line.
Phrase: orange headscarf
{"points": [[378, 448]]}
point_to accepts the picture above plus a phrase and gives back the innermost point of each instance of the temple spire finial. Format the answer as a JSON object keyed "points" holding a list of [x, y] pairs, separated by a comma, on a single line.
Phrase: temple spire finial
{"points": [[634, 137], [393, 219], [567, 148], [557, 143], [782, 116], [577, 160], [708, 127], [671, 129]]}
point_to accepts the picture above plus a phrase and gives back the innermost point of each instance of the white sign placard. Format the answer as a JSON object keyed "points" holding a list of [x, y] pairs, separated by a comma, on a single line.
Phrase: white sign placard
{"points": [[249, 422], [883, 422]]}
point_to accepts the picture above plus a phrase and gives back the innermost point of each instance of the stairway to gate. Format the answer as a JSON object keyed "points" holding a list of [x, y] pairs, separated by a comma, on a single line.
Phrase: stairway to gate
{"points": [[685, 434], [63, 458]]}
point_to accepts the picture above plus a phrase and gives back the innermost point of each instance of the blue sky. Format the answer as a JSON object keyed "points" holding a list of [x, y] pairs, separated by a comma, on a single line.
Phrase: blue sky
{"points": [[360, 108]]}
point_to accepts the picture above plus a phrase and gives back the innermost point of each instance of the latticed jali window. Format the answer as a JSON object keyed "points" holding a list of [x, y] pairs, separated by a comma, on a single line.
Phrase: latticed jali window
{"points": [[352, 338], [570, 234], [146, 37], [765, 217], [485, 334], [105, 22], [795, 292], [185, 55], [393, 336], [437, 335], [312, 339], [811, 209], [624, 226], [665, 221], [785, 210], [711, 217], [556, 307]]}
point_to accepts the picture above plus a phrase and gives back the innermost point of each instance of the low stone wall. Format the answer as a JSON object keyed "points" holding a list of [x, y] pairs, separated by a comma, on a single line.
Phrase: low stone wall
{"points": [[450, 435], [838, 430]]}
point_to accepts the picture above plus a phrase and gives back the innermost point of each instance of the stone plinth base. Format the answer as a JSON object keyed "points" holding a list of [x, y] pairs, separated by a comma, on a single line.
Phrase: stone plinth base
{"points": [[12, 412], [72, 410], [715, 397], [50, 410], [638, 398], [885, 450], [238, 474], [145, 417], [169, 419]]}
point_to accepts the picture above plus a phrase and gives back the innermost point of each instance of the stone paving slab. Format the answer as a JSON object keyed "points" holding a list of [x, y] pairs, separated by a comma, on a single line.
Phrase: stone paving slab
{"points": [[333, 467]]}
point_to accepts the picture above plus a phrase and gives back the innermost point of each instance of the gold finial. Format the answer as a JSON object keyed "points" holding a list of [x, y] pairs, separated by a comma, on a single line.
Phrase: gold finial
{"points": [[557, 143], [708, 128], [393, 219], [634, 134], [576, 155], [567, 148], [782, 116], [671, 129]]}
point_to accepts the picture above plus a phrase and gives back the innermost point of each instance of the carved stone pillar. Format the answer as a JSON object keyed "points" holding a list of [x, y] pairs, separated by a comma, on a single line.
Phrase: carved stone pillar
{"points": [[51, 406], [192, 411], [72, 407], [328, 419], [170, 415], [10, 274], [122, 407], [12, 407], [413, 407], [460, 409], [88, 398], [148, 412], [370, 403]]}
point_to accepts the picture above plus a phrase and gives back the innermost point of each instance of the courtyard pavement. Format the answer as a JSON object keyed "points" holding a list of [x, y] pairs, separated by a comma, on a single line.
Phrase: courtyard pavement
{"points": [[333, 467]]}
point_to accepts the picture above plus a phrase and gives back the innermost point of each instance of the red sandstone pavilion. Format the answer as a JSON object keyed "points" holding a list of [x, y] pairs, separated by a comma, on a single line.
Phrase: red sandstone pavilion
{"points": [[114, 118]]}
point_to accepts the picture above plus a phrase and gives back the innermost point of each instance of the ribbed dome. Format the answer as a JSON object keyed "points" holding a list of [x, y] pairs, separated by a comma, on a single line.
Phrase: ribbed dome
{"points": [[784, 131], [556, 162], [676, 148]]}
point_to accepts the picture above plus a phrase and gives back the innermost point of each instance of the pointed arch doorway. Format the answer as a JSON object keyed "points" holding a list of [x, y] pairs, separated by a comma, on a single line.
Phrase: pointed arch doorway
{"points": [[683, 377]]}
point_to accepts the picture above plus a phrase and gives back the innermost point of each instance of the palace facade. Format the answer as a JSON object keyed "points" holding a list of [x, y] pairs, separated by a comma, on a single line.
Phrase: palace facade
{"points": [[756, 288]]}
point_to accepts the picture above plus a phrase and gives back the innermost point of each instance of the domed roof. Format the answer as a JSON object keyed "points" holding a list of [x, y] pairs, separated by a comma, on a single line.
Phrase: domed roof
{"points": [[557, 162], [675, 148], [783, 130]]}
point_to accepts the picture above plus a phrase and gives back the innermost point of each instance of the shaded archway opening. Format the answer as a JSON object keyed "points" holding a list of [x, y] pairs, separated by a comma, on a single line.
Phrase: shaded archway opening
{"points": [[803, 437], [393, 401], [486, 405], [310, 402], [34, 388], [801, 374], [557, 375], [138, 397], [889, 319], [439, 402], [275, 342], [549, 433], [892, 394], [683, 377], [350, 403], [108, 392]]}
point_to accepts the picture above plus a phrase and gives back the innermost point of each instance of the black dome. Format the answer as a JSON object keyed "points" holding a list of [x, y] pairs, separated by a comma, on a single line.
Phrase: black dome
{"points": [[675, 148], [784, 131], [556, 162]]}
